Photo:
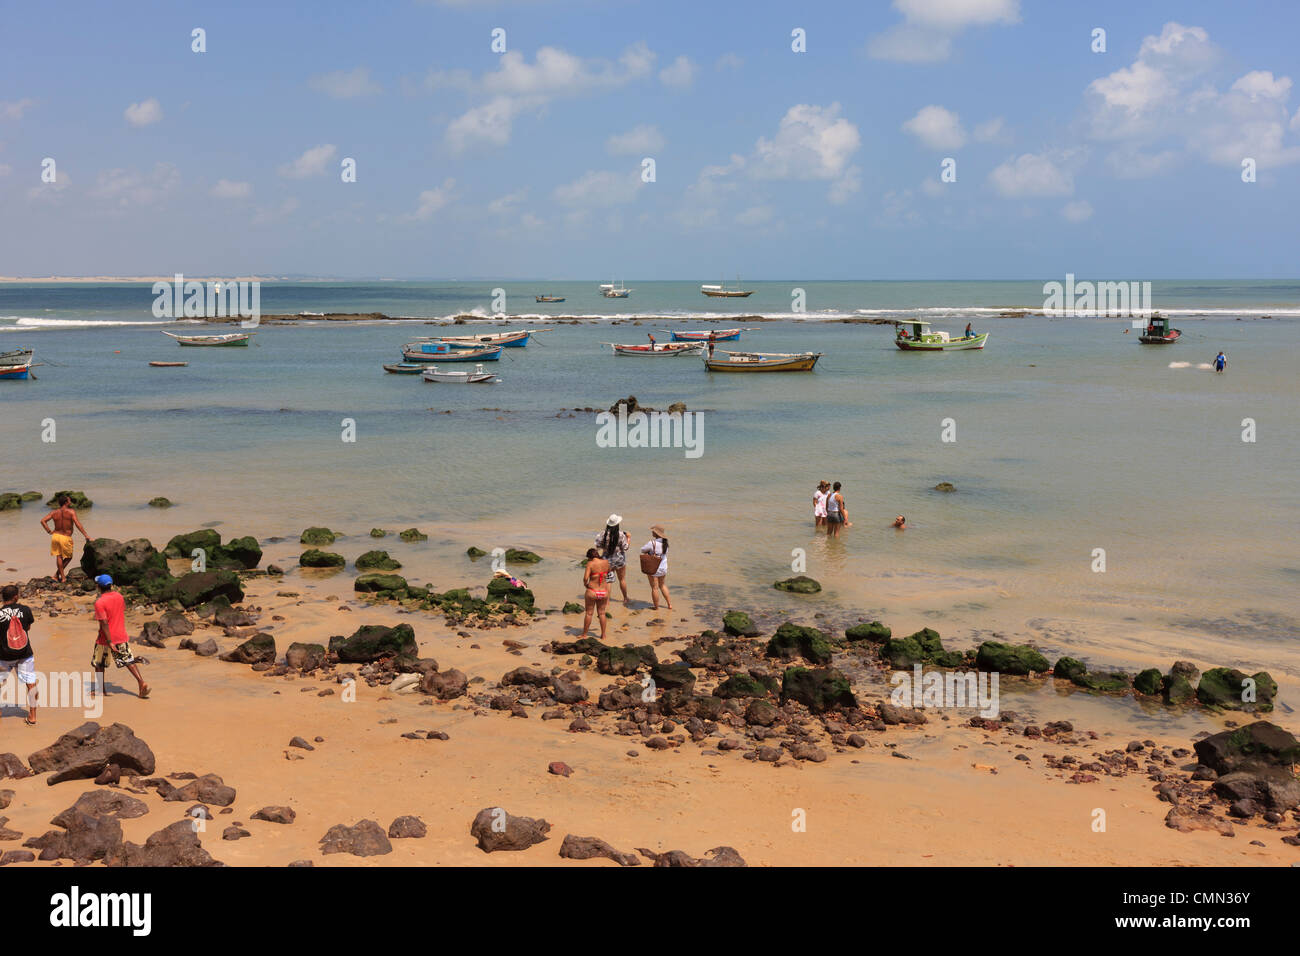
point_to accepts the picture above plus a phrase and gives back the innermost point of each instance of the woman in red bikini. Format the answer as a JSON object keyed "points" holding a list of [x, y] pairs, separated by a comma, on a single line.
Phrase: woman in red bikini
{"points": [[597, 590]]}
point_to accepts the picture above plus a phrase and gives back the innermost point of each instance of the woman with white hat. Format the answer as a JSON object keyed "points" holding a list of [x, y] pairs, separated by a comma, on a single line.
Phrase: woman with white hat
{"points": [[654, 565], [612, 543]]}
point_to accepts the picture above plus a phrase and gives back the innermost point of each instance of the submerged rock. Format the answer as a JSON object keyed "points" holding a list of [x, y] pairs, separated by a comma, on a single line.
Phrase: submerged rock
{"points": [[799, 584], [317, 536]]}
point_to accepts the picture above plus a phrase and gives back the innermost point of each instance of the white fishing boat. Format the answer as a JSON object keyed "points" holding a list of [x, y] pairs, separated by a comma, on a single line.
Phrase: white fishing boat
{"points": [[229, 339], [611, 291], [457, 377]]}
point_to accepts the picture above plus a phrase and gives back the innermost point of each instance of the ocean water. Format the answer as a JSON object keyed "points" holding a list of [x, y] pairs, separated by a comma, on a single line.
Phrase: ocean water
{"points": [[1070, 437]]}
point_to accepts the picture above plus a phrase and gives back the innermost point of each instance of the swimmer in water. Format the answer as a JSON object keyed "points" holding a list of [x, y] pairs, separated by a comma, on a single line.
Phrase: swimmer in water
{"points": [[900, 523]]}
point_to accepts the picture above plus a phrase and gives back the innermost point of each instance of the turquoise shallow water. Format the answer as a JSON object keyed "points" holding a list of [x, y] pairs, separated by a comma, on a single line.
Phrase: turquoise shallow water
{"points": [[1070, 437]]}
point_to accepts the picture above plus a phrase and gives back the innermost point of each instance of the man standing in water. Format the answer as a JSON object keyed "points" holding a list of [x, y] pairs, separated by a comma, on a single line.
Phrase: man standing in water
{"points": [[1220, 361], [713, 339], [65, 519]]}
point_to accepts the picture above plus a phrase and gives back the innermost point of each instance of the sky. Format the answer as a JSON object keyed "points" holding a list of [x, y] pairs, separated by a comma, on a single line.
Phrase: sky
{"points": [[529, 139]]}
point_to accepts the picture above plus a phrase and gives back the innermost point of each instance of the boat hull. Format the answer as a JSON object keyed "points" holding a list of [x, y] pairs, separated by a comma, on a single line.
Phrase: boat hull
{"points": [[973, 344], [14, 373], [492, 354], [550, 298], [1172, 336], [507, 340], [724, 335], [727, 295], [459, 378], [659, 351], [404, 368], [792, 363], [168, 364], [233, 340]]}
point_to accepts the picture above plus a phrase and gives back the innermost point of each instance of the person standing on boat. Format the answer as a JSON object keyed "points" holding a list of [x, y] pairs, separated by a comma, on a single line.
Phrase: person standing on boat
{"points": [[819, 504], [651, 337], [713, 339], [1220, 362], [595, 590], [836, 513], [970, 332], [656, 572], [65, 519], [612, 543]]}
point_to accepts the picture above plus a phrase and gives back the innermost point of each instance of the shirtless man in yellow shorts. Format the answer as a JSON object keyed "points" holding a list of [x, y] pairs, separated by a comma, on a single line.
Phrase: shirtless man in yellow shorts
{"points": [[65, 519]]}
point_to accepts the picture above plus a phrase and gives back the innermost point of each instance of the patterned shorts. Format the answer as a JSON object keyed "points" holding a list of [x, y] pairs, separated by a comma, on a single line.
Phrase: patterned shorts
{"points": [[121, 654]]}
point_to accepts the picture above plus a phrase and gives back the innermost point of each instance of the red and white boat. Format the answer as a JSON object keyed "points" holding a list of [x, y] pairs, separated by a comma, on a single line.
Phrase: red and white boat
{"points": [[658, 350]]}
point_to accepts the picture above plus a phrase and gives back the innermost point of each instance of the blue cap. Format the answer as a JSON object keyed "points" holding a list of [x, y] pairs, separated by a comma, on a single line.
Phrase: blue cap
{"points": [[104, 580]]}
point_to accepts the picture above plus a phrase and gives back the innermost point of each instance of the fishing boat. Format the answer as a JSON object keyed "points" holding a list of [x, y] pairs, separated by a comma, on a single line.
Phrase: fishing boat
{"points": [[456, 377], [657, 350], [168, 364], [16, 357], [1158, 332], [722, 292], [550, 298], [16, 371], [702, 335], [441, 352], [762, 361], [509, 340], [611, 291], [405, 368], [915, 336], [229, 339]]}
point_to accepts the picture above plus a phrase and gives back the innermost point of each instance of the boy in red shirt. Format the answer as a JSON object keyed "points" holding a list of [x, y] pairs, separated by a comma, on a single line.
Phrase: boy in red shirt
{"points": [[110, 612]]}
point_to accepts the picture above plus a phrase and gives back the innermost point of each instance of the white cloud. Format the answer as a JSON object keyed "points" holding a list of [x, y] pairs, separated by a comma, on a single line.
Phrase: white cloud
{"points": [[730, 61], [928, 27], [488, 124], [599, 188], [1077, 211], [14, 109], [639, 140], [755, 216], [811, 143], [505, 204], [936, 128], [311, 163], [126, 187], [992, 131], [679, 75], [1031, 175], [432, 200], [226, 189], [346, 84], [144, 114]]}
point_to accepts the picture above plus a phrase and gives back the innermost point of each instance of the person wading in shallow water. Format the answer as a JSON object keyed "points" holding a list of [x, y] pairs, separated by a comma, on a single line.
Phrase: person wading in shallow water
{"points": [[837, 515], [65, 519], [595, 590], [612, 543], [819, 504]]}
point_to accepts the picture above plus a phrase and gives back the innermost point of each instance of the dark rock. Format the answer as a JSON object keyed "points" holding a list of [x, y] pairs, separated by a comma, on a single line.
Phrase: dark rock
{"points": [[819, 690], [377, 561], [1260, 744], [1149, 682], [407, 828], [316, 558], [799, 584], [587, 848], [793, 640], [378, 583], [495, 829], [875, 632], [625, 660], [373, 641], [104, 803], [87, 750], [201, 587], [738, 624], [317, 536], [276, 815], [126, 561], [208, 788], [1226, 687], [304, 657], [258, 649], [174, 845], [366, 838], [718, 856], [559, 768], [445, 685], [1017, 659]]}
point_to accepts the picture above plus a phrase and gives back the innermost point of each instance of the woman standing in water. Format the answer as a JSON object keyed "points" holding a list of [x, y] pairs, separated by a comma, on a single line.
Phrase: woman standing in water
{"points": [[654, 564], [612, 543]]}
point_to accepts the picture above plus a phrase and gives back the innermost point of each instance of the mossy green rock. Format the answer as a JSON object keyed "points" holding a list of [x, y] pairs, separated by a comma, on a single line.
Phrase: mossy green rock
{"points": [[78, 500], [10, 501], [413, 534], [240, 553], [819, 689], [379, 582], [317, 536], [183, 545], [624, 661], [377, 561], [370, 642], [793, 640], [200, 587], [572, 607], [258, 649], [800, 584], [378, 533], [902, 652], [475, 553], [31, 496], [305, 657], [741, 685], [875, 632], [673, 678], [316, 558], [156, 586], [945, 486], [739, 624], [1112, 682], [1225, 687], [1148, 682], [1015, 659], [501, 591], [126, 561], [160, 502], [1069, 668], [519, 556]]}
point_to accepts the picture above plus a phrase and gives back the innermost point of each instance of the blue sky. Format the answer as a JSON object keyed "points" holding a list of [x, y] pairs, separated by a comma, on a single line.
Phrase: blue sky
{"points": [[769, 163]]}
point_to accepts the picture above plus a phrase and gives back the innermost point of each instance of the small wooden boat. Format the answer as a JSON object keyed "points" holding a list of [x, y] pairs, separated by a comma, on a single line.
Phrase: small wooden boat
{"points": [[722, 292], [168, 364], [456, 377], [915, 336], [762, 361], [16, 372], [405, 368], [16, 357], [550, 298], [1158, 332], [698, 335], [658, 350], [430, 352], [228, 340], [509, 340]]}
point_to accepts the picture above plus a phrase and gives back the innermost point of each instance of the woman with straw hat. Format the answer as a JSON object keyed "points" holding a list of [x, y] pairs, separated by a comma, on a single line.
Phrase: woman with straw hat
{"points": [[654, 565], [612, 543]]}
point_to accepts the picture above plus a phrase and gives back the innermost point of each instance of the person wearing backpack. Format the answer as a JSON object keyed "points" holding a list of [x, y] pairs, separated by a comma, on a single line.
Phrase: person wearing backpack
{"points": [[16, 646]]}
